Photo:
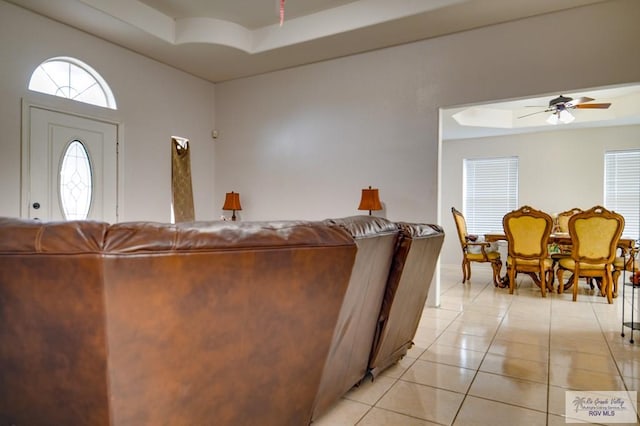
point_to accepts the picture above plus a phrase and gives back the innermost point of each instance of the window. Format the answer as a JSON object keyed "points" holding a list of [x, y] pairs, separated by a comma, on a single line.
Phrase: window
{"points": [[490, 190], [622, 188], [72, 79], [76, 183]]}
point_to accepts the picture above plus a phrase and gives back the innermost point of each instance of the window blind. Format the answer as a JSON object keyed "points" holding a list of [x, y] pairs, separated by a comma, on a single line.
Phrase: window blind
{"points": [[622, 188], [490, 191]]}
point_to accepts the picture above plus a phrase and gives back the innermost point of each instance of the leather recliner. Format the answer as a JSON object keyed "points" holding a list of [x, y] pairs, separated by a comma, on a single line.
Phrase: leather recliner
{"points": [[355, 330], [414, 264]]}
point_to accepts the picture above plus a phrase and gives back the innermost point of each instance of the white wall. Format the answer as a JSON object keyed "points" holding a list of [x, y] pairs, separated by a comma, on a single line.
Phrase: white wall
{"points": [[301, 143], [154, 103], [558, 170]]}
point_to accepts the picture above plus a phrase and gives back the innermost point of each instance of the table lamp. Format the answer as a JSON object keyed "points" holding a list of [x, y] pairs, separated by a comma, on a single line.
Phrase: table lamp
{"points": [[232, 202], [370, 200]]}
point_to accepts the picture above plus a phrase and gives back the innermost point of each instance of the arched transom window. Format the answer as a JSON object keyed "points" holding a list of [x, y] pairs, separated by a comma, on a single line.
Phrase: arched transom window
{"points": [[72, 79]]}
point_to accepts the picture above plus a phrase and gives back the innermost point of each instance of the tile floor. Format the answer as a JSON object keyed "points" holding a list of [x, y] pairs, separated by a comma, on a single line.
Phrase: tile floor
{"points": [[486, 357]]}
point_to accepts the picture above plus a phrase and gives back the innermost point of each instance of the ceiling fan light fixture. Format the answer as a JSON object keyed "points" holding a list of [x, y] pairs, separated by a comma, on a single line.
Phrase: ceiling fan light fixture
{"points": [[561, 116], [553, 119], [565, 116]]}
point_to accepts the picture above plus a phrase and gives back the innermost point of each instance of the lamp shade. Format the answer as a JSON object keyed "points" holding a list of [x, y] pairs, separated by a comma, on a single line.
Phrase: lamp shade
{"points": [[370, 200], [232, 201]]}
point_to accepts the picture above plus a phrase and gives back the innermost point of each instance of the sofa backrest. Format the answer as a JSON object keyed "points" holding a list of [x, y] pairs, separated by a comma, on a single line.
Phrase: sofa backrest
{"points": [[412, 271], [148, 324], [353, 337]]}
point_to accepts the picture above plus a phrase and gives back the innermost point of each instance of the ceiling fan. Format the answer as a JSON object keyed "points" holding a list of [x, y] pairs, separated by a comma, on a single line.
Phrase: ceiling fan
{"points": [[559, 108]]}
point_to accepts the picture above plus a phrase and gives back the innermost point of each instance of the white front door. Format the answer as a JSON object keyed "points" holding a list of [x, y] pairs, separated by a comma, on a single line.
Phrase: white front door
{"points": [[71, 167]]}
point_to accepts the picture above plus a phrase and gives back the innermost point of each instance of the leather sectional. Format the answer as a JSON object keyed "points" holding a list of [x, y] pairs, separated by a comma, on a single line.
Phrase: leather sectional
{"points": [[226, 323]]}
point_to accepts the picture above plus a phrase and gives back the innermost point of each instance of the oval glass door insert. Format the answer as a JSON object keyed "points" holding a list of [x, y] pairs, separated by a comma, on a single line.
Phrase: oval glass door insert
{"points": [[76, 182]]}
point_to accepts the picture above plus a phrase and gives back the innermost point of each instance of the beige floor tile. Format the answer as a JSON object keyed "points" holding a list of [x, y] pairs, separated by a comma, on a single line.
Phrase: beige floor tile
{"points": [[624, 351], [519, 350], [526, 307], [554, 420], [515, 367], [621, 348], [424, 342], [452, 355], [576, 325], [473, 328], [515, 356], [433, 325], [562, 309], [478, 411], [583, 360], [344, 412], [440, 313], [451, 304], [523, 335], [441, 376], [398, 369], [579, 379], [557, 398], [415, 351], [431, 311], [423, 402], [488, 310], [633, 384], [509, 390], [589, 343], [369, 392], [465, 341], [614, 337], [380, 417], [528, 323]]}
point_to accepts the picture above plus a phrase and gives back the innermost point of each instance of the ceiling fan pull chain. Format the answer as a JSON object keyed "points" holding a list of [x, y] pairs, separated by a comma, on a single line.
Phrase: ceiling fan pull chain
{"points": [[281, 12]]}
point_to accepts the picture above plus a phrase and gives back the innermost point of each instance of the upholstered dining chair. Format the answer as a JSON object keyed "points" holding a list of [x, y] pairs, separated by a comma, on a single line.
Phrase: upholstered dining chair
{"points": [[562, 220], [475, 251], [561, 226], [595, 234], [528, 231], [628, 261]]}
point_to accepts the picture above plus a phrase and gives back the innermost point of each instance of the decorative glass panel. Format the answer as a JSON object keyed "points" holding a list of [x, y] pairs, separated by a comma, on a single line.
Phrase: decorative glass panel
{"points": [[76, 183], [72, 79]]}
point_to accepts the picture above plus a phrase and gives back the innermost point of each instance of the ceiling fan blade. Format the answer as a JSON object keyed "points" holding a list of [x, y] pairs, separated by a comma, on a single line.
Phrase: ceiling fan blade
{"points": [[534, 113], [575, 102], [593, 106]]}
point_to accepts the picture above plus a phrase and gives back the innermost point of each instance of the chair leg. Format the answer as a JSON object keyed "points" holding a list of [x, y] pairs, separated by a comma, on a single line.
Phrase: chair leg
{"points": [[464, 270], [512, 278], [607, 281], [468, 271], [496, 266], [550, 280], [599, 283], [576, 281], [543, 282], [614, 277], [560, 274]]}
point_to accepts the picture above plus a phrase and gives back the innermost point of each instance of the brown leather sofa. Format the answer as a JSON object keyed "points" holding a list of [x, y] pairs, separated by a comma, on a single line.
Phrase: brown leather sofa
{"points": [[414, 264], [148, 324], [226, 323]]}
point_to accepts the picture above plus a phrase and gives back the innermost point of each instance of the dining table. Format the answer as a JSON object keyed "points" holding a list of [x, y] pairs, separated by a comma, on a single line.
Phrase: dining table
{"points": [[559, 240]]}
